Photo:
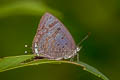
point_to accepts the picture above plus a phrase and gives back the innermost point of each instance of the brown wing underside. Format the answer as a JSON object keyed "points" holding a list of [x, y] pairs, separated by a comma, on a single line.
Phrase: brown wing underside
{"points": [[53, 39]]}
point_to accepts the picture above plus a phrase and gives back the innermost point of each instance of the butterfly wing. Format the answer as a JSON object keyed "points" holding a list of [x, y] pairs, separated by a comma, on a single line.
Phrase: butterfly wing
{"points": [[52, 39]]}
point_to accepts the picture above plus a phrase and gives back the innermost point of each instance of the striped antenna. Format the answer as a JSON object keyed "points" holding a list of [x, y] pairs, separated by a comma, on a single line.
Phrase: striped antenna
{"points": [[85, 38]]}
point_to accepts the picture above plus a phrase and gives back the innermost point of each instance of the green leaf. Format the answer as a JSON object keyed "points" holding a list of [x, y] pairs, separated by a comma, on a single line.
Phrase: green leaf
{"points": [[26, 7], [13, 62]]}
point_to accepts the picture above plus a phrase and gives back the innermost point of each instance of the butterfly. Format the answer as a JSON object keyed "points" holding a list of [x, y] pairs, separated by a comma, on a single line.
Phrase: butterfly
{"points": [[53, 40]]}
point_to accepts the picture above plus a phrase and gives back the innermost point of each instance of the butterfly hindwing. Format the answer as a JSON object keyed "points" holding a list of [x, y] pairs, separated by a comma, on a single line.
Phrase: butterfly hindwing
{"points": [[52, 39]]}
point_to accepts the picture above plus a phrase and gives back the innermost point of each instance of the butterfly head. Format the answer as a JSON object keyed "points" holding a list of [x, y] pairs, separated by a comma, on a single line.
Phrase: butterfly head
{"points": [[78, 48]]}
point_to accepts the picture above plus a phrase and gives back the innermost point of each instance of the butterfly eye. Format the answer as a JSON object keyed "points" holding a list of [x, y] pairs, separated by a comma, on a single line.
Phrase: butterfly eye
{"points": [[63, 47]]}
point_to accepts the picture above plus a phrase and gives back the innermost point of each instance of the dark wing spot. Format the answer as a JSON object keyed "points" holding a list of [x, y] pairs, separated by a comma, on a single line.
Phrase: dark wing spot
{"points": [[58, 44], [50, 17], [59, 49], [58, 29], [65, 43], [62, 37], [50, 25]]}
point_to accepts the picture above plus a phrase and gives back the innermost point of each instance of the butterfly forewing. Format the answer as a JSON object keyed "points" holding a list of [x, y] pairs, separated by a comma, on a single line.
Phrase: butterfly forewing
{"points": [[52, 39]]}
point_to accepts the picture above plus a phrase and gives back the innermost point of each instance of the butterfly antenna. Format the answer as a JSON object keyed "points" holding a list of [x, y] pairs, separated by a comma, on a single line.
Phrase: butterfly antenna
{"points": [[85, 38]]}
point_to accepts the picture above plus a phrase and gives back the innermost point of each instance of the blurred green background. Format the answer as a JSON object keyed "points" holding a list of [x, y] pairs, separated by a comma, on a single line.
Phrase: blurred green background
{"points": [[18, 24]]}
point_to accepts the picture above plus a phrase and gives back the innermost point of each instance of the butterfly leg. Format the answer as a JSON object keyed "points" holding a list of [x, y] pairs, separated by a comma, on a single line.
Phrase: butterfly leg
{"points": [[78, 60], [78, 49], [72, 59]]}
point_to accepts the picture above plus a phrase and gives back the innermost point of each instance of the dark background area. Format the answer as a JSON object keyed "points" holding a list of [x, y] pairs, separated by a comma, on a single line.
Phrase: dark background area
{"points": [[101, 50]]}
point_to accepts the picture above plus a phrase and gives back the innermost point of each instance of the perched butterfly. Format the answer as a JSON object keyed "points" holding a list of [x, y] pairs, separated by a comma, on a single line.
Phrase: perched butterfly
{"points": [[53, 40]]}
